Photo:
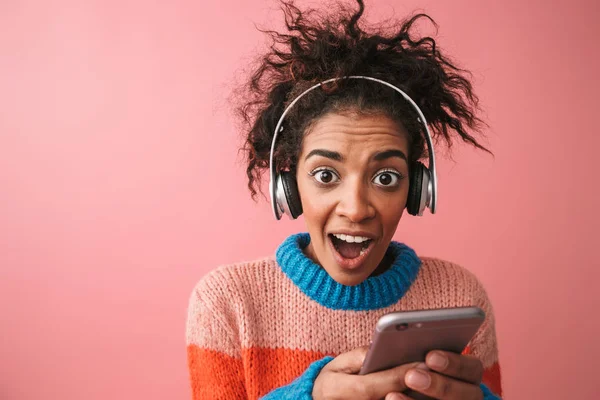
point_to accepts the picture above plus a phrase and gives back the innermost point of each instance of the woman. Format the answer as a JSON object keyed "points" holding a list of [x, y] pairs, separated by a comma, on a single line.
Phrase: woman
{"points": [[297, 325]]}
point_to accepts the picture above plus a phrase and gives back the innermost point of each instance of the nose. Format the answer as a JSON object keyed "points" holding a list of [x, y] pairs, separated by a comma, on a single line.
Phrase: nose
{"points": [[354, 202]]}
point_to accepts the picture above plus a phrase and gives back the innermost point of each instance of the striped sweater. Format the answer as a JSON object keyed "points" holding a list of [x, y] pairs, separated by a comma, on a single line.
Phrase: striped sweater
{"points": [[265, 329]]}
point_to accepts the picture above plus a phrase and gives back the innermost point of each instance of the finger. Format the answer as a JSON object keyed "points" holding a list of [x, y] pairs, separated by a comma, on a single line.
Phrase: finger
{"points": [[349, 362], [377, 385], [464, 367], [440, 386]]}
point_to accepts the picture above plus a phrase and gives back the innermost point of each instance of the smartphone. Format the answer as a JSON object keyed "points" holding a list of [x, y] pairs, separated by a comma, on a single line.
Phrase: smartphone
{"points": [[406, 337]]}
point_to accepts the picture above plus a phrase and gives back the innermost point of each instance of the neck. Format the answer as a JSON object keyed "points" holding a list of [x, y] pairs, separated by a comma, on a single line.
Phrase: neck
{"points": [[384, 265]]}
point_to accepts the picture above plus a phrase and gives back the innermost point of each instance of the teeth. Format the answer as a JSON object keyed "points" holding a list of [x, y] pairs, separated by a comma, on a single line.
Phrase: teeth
{"points": [[351, 239]]}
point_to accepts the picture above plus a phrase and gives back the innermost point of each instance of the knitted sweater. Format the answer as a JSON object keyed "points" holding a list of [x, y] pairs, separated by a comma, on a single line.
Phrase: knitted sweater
{"points": [[265, 329]]}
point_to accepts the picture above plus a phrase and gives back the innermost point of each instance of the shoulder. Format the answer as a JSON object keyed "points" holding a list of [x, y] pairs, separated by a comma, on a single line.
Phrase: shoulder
{"points": [[226, 282], [230, 278], [448, 271], [448, 284]]}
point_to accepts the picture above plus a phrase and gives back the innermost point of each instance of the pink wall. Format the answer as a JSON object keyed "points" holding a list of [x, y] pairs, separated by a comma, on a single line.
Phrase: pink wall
{"points": [[121, 187]]}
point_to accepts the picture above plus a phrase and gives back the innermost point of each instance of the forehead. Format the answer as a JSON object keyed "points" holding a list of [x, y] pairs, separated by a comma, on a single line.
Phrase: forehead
{"points": [[355, 132]]}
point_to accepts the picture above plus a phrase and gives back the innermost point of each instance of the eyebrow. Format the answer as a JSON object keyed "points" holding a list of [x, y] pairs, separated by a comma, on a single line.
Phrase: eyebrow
{"points": [[334, 155], [384, 155]]}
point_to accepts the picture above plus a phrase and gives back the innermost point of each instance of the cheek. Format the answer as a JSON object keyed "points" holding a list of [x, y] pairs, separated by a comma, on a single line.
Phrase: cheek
{"points": [[392, 218], [314, 205], [392, 208]]}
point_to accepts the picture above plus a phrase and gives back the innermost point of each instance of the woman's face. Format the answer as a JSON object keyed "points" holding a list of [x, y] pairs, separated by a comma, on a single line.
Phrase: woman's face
{"points": [[353, 180]]}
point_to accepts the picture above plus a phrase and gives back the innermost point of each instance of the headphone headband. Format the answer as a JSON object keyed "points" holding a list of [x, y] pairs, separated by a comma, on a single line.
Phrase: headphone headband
{"points": [[277, 211]]}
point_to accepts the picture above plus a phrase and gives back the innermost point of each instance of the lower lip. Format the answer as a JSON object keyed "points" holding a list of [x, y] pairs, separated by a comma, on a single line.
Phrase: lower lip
{"points": [[349, 263]]}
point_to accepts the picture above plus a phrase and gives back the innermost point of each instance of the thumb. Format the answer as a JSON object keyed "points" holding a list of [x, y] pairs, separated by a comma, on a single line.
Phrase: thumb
{"points": [[349, 362]]}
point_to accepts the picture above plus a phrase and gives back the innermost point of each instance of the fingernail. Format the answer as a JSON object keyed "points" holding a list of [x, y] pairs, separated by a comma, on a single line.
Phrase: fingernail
{"points": [[422, 366], [438, 361], [393, 396], [417, 379]]}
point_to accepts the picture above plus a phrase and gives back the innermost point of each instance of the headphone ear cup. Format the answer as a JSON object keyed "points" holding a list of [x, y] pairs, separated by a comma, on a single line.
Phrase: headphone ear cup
{"points": [[292, 196], [413, 203]]}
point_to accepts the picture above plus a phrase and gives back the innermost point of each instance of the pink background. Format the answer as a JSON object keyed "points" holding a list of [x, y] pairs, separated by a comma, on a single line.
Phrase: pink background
{"points": [[121, 186]]}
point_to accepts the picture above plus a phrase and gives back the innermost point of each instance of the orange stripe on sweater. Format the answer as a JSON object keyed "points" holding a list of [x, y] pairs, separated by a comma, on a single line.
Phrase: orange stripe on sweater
{"points": [[260, 370], [215, 375], [492, 379], [268, 369]]}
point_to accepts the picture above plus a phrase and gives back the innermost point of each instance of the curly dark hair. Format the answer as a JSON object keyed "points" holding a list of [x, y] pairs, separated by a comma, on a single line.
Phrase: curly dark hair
{"points": [[318, 47]]}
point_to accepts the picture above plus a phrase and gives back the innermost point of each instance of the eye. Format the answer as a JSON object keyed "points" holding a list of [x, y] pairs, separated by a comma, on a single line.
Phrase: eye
{"points": [[324, 176], [387, 178]]}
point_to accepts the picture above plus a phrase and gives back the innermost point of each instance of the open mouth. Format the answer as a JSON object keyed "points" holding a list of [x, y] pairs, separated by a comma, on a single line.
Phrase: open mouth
{"points": [[350, 251]]}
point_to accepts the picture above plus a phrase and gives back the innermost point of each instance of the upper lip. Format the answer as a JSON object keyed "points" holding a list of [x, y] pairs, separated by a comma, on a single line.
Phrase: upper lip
{"points": [[353, 233]]}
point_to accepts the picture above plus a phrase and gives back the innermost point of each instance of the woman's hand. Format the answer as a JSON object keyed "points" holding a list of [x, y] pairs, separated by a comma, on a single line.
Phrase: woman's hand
{"points": [[339, 379], [447, 377], [451, 377]]}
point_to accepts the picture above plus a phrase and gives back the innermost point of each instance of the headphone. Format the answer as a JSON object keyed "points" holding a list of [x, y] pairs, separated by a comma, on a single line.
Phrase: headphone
{"points": [[422, 191]]}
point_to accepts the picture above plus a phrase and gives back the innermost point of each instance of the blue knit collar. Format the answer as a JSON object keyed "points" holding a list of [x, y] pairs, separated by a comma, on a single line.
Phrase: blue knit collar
{"points": [[375, 292]]}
